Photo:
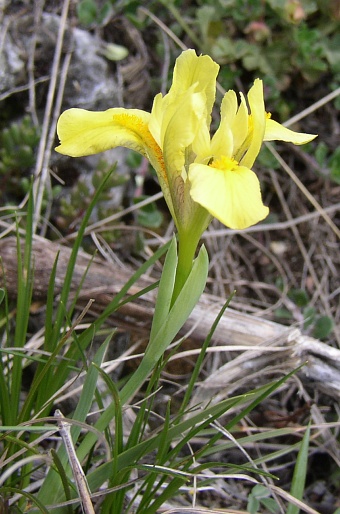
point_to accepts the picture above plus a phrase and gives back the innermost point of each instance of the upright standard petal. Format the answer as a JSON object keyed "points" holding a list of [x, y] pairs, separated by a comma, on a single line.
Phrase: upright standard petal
{"points": [[157, 117], [231, 193], [240, 125], [222, 142], [194, 74], [257, 124], [181, 131], [200, 70]]}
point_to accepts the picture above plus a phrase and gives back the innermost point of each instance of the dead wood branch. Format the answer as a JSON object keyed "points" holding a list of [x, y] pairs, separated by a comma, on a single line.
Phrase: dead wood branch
{"points": [[261, 345]]}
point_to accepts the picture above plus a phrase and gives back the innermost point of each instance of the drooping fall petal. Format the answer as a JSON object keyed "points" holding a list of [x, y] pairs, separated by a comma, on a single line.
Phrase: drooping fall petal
{"points": [[84, 132], [277, 132], [232, 194]]}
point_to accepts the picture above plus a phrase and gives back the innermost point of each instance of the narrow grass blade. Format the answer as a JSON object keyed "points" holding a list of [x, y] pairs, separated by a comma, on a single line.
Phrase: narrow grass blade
{"points": [[30, 497], [154, 481], [50, 307], [299, 475], [87, 394], [72, 262], [63, 476], [25, 284]]}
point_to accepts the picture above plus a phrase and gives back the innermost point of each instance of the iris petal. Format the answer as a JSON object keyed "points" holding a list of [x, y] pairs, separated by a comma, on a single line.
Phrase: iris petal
{"points": [[258, 120], [84, 132], [181, 131], [202, 71], [231, 196], [222, 142], [277, 132], [156, 118], [240, 125], [191, 74]]}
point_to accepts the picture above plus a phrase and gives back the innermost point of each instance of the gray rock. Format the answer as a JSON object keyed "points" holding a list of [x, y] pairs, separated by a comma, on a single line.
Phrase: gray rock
{"points": [[90, 82], [12, 64]]}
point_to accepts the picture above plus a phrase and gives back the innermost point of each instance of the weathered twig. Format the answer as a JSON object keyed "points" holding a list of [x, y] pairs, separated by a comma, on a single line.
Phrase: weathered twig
{"points": [[261, 345], [77, 470]]}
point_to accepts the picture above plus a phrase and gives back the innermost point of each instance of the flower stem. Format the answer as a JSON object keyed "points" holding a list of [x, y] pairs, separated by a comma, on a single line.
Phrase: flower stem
{"points": [[186, 252]]}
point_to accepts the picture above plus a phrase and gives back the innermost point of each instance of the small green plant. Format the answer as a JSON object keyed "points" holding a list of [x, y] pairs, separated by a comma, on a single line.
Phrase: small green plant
{"points": [[252, 37], [18, 144], [148, 216], [261, 495], [320, 326], [89, 12], [73, 207], [329, 161]]}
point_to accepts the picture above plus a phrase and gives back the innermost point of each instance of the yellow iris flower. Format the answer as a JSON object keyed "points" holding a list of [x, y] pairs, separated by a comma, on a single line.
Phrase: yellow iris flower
{"points": [[201, 176]]}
